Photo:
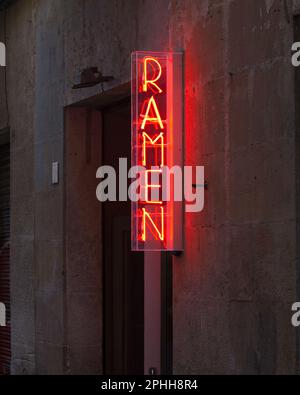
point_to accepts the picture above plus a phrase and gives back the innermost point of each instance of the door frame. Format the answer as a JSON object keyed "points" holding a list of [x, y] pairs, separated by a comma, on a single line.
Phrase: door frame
{"points": [[158, 343]]}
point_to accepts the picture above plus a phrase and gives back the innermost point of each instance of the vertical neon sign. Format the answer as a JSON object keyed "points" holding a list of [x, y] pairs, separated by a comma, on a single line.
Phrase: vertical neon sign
{"points": [[156, 145]]}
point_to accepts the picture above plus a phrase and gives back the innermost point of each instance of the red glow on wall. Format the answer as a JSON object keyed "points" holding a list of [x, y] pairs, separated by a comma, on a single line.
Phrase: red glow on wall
{"points": [[155, 98]]}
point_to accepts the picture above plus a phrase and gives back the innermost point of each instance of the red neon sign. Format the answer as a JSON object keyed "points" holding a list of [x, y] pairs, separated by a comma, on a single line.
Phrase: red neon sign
{"points": [[156, 142]]}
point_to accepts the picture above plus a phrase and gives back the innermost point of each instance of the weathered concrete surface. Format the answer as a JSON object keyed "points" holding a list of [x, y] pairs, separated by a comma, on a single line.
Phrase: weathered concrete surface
{"points": [[21, 99], [49, 203], [234, 286], [236, 281], [3, 112]]}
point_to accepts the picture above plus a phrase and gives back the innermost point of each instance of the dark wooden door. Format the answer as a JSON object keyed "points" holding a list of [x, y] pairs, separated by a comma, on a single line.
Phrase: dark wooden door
{"points": [[123, 269], [4, 256]]}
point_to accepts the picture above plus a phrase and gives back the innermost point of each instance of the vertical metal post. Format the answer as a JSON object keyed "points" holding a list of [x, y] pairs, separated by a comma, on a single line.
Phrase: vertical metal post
{"points": [[152, 304]]}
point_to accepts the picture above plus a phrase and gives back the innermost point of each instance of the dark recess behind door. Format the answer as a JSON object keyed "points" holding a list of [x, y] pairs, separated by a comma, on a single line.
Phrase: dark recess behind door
{"points": [[123, 269]]}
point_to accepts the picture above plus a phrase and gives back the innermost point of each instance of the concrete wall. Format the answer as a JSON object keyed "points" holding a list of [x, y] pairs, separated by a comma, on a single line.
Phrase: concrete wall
{"points": [[235, 283], [234, 286], [20, 21], [3, 115]]}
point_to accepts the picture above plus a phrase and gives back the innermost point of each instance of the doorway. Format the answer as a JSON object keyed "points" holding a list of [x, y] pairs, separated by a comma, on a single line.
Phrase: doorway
{"points": [[104, 280], [123, 269]]}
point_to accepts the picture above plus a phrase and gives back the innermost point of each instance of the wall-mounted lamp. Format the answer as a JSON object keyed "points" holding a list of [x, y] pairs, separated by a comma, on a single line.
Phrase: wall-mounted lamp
{"points": [[91, 77]]}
